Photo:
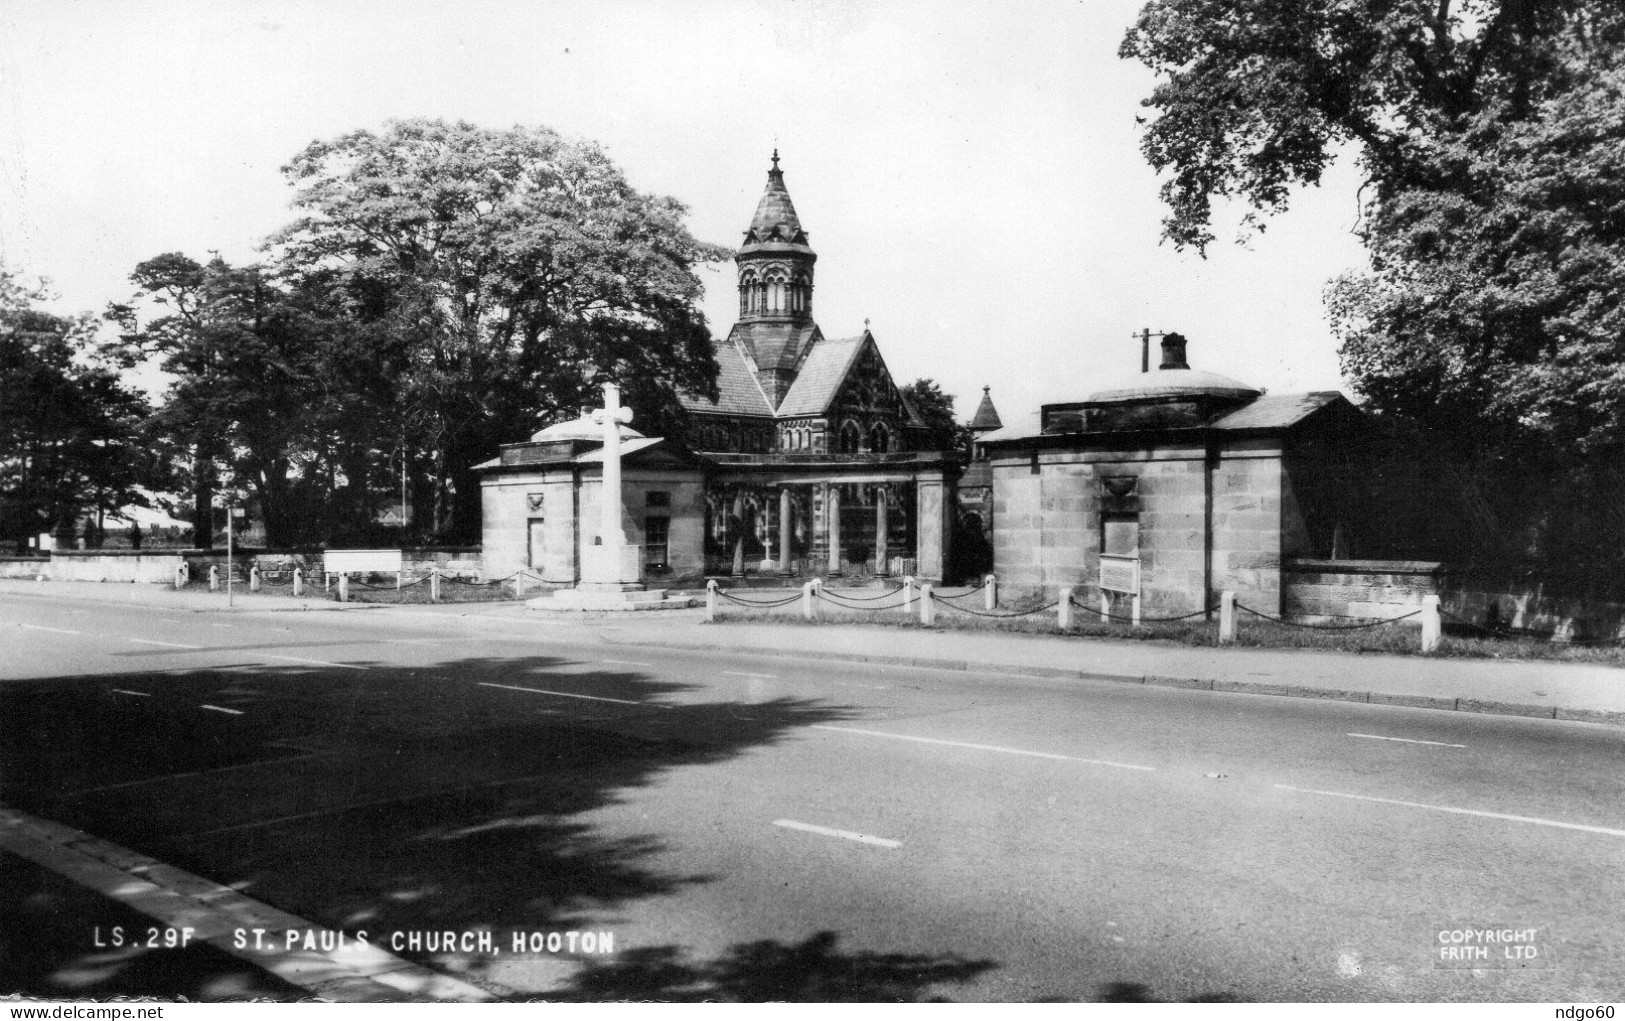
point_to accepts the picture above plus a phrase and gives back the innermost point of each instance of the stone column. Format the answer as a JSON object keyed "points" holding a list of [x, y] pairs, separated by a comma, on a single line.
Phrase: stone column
{"points": [[880, 529], [832, 507], [786, 530], [739, 533], [609, 563]]}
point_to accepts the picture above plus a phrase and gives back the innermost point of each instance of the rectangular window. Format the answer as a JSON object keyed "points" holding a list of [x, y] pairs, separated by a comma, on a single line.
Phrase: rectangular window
{"points": [[656, 498], [656, 536]]}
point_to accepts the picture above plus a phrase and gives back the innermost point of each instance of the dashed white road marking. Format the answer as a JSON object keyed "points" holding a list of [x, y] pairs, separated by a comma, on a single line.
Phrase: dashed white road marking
{"points": [[567, 694], [625, 662], [127, 691], [222, 625], [167, 620], [862, 838], [763, 677], [1531, 820], [223, 709], [1406, 740], [317, 662], [985, 747], [53, 630], [169, 645]]}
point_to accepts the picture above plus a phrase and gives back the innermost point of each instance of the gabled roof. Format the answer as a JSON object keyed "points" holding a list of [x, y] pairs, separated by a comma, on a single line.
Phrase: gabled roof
{"points": [[1278, 411], [821, 375], [738, 391]]}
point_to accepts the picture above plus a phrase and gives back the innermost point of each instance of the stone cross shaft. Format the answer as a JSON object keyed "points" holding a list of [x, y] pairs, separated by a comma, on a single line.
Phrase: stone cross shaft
{"points": [[611, 416]]}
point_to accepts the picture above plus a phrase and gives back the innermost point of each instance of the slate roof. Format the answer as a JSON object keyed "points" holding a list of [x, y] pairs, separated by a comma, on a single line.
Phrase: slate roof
{"points": [[821, 375], [1278, 411], [738, 392], [775, 217], [987, 416], [775, 345]]}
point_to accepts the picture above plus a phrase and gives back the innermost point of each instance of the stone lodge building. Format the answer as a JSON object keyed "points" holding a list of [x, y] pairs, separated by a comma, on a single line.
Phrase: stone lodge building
{"points": [[808, 462], [1177, 484]]}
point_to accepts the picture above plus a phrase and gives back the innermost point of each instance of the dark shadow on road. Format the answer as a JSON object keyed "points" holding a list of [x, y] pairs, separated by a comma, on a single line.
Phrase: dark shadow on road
{"points": [[453, 796], [1136, 992], [814, 970]]}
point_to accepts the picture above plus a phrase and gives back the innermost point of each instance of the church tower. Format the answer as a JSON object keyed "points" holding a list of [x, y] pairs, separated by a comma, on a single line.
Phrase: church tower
{"points": [[775, 267]]}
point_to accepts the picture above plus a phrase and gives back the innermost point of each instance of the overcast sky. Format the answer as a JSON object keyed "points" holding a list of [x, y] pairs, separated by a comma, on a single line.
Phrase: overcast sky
{"points": [[968, 173]]}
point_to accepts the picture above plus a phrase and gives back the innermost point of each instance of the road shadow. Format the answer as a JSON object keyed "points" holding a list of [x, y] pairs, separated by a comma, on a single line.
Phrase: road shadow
{"points": [[814, 970], [456, 796]]}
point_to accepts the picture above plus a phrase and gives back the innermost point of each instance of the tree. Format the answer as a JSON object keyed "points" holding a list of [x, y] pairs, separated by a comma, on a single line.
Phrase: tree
{"points": [[936, 410], [1491, 135], [520, 269], [69, 428]]}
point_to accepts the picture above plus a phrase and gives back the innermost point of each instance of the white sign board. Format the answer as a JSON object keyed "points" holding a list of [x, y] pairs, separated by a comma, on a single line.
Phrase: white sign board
{"points": [[361, 561], [1120, 574]]}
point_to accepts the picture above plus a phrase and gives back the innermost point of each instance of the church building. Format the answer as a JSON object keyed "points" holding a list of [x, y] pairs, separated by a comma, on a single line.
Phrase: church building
{"points": [[809, 462]]}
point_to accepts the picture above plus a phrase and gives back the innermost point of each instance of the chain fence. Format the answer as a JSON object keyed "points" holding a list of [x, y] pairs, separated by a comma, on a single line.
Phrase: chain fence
{"points": [[1103, 615], [1329, 627]]}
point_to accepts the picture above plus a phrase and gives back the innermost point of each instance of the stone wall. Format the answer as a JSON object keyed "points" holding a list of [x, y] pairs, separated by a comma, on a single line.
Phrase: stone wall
{"points": [[1247, 525], [1527, 608], [115, 565], [1323, 591], [24, 567]]}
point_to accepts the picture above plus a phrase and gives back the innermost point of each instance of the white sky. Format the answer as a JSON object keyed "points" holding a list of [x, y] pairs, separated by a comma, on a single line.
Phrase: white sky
{"points": [[968, 172]]}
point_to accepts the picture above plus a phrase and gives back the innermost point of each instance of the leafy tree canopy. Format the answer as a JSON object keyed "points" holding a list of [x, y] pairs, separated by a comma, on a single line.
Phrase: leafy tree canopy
{"points": [[522, 268], [69, 442], [1491, 134], [936, 410]]}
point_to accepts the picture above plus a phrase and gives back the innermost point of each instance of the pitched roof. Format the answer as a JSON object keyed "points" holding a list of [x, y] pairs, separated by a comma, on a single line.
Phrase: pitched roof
{"points": [[775, 345], [821, 375], [1278, 411], [987, 416], [738, 392]]}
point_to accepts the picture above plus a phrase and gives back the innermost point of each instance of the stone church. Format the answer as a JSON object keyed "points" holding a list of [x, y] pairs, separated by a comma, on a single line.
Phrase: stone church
{"points": [[809, 462]]}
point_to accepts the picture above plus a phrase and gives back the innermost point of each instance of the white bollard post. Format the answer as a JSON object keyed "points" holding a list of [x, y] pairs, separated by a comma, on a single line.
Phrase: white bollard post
{"points": [[434, 584], [344, 588], [991, 593], [1063, 611], [1135, 612], [1227, 617], [214, 578], [1105, 606], [254, 578], [808, 600], [298, 581], [399, 575], [181, 577], [1432, 626], [710, 600], [519, 585], [908, 594], [928, 609]]}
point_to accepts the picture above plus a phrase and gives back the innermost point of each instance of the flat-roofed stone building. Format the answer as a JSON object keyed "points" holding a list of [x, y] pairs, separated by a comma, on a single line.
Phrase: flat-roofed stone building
{"points": [[1175, 484]]}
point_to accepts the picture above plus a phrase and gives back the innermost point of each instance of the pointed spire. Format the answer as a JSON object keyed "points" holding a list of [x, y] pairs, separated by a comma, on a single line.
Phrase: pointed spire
{"points": [[775, 217], [987, 416]]}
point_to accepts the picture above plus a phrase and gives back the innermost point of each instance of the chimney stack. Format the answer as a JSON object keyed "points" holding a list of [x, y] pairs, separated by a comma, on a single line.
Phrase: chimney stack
{"points": [[1173, 352]]}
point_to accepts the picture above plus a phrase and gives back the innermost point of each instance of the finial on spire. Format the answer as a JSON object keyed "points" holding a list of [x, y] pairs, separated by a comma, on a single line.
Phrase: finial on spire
{"points": [[775, 157], [985, 390], [865, 322]]}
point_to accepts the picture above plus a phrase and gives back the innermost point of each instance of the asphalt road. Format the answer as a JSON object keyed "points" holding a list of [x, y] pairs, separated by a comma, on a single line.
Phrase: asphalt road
{"points": [[758, 828]]}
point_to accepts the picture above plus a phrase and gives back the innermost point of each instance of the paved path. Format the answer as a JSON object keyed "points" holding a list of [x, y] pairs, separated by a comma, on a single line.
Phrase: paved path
{"points": [[1541, 689]]}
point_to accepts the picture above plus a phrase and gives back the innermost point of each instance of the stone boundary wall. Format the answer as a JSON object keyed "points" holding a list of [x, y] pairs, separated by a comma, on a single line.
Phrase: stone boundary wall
{"points": [[158, 566], [24, 567], [1525, 608], [1324, 591]]}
